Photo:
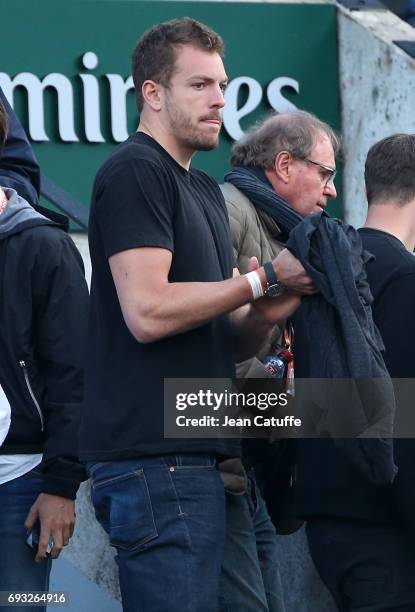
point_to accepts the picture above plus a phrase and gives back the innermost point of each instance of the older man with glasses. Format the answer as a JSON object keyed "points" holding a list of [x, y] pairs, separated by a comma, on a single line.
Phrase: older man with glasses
{"points": [[286, 159]]}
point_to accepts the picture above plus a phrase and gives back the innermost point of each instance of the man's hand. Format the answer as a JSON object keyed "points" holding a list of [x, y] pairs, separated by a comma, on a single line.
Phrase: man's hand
{"points": [[56, 516], [292, 274], [274, 310]]}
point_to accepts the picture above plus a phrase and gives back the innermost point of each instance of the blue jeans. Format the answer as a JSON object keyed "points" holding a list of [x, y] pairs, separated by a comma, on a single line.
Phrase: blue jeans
{"points": [[250, 580], [18, 569], [166, 518]]}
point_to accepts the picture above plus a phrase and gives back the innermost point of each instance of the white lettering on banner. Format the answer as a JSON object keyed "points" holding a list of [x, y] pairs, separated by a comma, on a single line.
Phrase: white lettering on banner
{"points": [[118, 97], [92, 115], [231, 114], [275, 97], [35, 88], [118, 90]]}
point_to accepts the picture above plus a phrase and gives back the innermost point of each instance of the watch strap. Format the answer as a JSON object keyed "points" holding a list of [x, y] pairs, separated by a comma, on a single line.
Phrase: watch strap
{"points": [[270, 275]]}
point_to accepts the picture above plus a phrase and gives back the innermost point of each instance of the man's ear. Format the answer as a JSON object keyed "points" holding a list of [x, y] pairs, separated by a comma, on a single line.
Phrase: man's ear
{"points": [[282, 165], [152, 94]]}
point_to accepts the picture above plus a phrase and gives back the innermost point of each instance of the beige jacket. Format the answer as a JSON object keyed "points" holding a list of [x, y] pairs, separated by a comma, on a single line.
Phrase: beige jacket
{"points": [[253, 233]]}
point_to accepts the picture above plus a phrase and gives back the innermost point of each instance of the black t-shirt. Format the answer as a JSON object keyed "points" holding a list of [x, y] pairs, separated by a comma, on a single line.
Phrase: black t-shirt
{"points": [[392, 281], [391, 277], [143, 198]]}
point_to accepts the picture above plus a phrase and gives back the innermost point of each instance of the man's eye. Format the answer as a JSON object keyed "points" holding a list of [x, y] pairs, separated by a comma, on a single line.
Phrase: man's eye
{"points": [[198, 86], [223, 87]]}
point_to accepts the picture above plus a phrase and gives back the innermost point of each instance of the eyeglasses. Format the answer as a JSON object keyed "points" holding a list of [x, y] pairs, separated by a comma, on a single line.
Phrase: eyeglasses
{"points": [[331, 171]]}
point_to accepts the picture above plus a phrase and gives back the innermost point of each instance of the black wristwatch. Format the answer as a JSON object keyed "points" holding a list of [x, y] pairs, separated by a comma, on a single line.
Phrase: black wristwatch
{"points": [[275, 288]]}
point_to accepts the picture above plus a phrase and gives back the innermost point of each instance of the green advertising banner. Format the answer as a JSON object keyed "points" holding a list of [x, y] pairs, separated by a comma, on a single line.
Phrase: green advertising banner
{"points": [[65, 67]]}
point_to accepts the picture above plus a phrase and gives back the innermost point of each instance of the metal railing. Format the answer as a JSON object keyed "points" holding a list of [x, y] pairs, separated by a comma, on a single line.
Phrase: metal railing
{"points": [[64, 201]]}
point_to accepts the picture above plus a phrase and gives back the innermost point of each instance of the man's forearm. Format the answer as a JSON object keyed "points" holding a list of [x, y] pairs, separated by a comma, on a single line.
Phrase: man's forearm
{"points": [[154, 308], [179, 307]]}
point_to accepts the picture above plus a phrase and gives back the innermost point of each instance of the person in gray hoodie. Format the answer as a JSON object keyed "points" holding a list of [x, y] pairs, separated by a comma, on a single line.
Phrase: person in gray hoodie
{"points": [[43, 316]]}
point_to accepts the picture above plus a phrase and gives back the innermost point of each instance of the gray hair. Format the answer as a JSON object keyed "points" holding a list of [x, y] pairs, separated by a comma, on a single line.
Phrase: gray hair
{"points": [[294, 132]]}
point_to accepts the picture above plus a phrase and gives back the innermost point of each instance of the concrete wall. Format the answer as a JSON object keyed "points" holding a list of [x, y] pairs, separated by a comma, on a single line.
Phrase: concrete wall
{"points": [[377, 83]]}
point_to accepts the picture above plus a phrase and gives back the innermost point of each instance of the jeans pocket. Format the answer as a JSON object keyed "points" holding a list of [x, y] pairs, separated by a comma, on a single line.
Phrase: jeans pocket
{"points": [[123, 507]]}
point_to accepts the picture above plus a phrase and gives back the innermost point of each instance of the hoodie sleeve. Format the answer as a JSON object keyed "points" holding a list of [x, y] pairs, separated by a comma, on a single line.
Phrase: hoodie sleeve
{"points": [[61, 310], [19, 168]]}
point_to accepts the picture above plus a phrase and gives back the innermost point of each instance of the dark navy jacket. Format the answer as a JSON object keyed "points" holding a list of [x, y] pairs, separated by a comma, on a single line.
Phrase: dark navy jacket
{"points": [[42, 322]]}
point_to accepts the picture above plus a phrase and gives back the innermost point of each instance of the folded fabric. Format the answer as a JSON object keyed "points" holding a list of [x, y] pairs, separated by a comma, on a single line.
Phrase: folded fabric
{"points": [[343, 344], [335, 336]]}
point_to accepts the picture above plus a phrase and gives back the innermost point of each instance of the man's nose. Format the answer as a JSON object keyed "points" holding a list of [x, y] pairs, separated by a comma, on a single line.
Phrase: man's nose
{"points": [[218, 97], [330, 190]]}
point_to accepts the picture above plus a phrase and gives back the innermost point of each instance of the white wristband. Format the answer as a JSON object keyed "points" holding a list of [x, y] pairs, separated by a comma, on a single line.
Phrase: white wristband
{"points": [[256, 285]]}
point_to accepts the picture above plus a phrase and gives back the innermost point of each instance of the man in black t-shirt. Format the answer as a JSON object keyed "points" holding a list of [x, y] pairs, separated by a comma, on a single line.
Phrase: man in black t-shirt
{"points": [[164, 305], [361, 536]]}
